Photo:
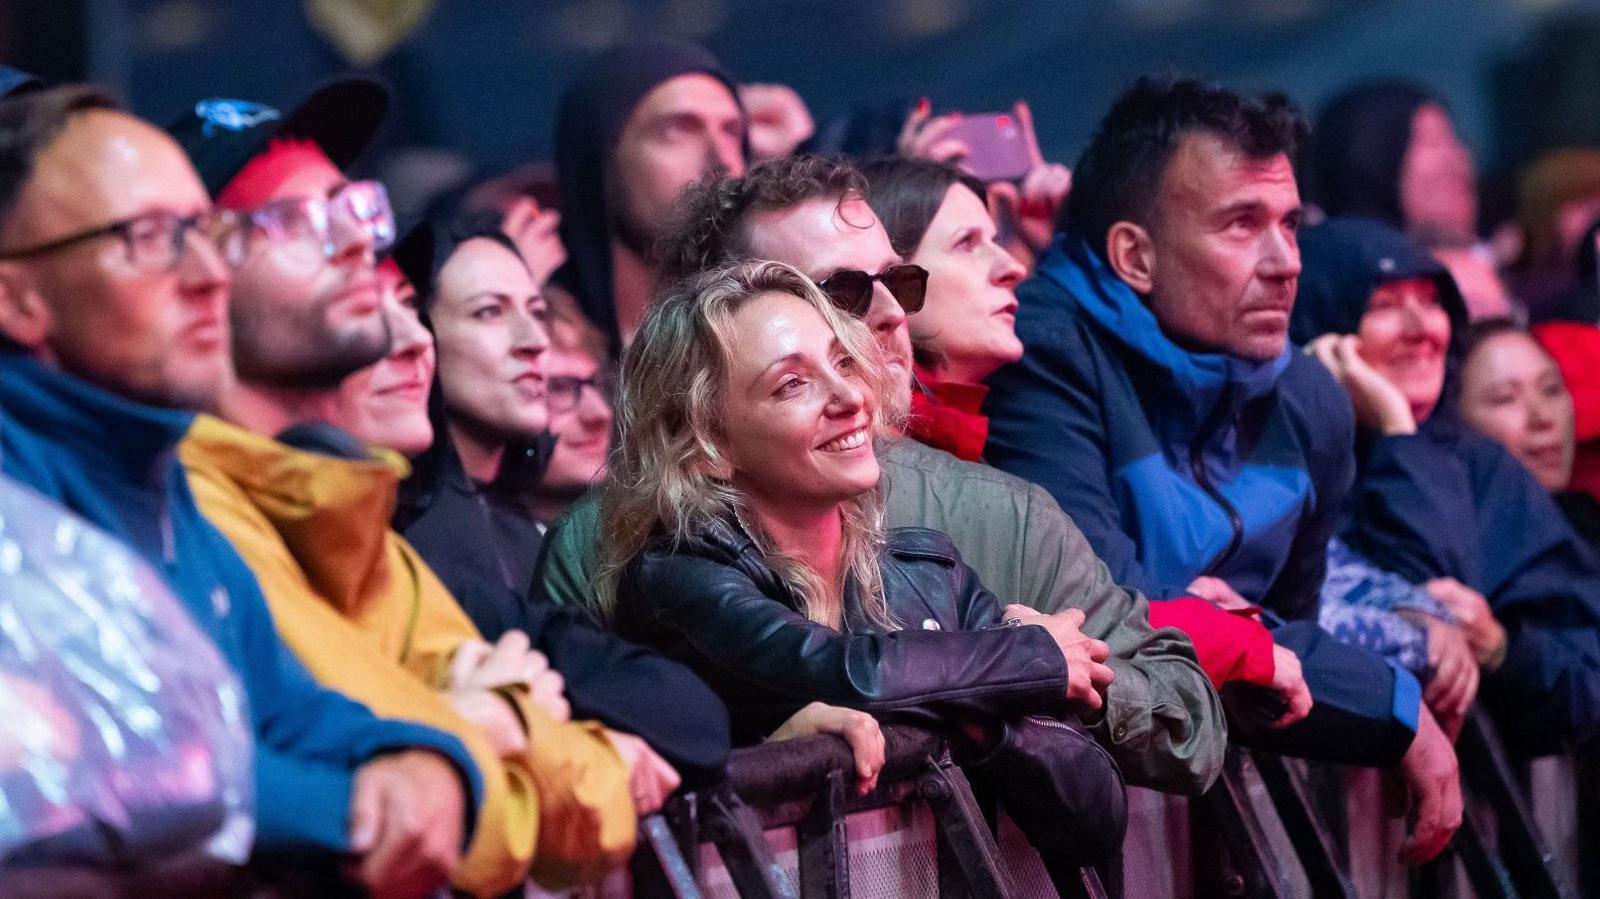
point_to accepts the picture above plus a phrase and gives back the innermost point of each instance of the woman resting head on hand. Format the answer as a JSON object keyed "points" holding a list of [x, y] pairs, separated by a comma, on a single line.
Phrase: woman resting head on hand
{"points": [[743, 536]]}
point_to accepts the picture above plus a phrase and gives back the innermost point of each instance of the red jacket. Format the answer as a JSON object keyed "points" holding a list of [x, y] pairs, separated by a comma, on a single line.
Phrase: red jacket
{"points": [[1230, 647]]}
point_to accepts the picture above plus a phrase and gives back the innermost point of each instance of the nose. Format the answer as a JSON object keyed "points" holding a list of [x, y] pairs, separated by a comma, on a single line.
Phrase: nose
{"points": [[884, 316], [725, 155], [848, 396], [1541, 413], [529, 337], [1007, 272], [593, 409], [408, 338], [1280, 256], [354, 247], [201, 271]]}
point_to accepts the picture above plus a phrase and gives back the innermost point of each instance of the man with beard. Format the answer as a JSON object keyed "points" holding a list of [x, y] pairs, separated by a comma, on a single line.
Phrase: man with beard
{"points": [[643, 122], [309, 510]]}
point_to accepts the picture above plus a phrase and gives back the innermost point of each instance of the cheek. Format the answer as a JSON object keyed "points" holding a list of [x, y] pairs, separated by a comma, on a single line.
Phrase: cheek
{"points": [[1436, 323]]}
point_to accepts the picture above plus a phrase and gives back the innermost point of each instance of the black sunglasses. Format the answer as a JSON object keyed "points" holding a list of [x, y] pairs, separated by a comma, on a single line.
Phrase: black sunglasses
{"points": [[851, 290]]}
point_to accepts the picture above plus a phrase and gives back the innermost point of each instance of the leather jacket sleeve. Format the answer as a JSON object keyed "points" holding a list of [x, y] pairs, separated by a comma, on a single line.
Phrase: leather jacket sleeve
{"points": [[767, 660]]}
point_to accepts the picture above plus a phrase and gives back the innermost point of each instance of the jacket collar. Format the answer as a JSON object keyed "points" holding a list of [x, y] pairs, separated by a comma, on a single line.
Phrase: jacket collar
{"points": [[332, 514], [114, 433], [1113, 307], [948, 415]]}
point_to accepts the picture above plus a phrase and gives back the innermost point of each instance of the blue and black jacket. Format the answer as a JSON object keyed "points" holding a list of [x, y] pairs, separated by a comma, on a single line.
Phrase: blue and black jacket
{"points": [[114, 462], [1448, 502], [1178, 464]]}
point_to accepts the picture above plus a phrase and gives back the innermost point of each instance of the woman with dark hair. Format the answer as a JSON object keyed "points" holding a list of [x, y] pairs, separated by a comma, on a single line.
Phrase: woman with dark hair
{"points": [[937, 218], [755, 553], [1443, 506], [1388, 150]]}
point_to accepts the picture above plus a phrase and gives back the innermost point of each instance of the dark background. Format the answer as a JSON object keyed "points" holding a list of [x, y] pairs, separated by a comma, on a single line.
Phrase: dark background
{"points": [[478, 79]]}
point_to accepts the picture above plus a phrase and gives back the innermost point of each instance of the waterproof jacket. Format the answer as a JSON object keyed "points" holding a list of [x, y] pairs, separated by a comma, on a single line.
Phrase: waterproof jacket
{"points": [[367, 617], [1447, 502], [1178, 464], [1175, 464], [114, 463], [714, 603]]}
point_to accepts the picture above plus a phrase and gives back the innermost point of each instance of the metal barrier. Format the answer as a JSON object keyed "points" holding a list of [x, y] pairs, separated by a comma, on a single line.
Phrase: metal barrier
{"points": [[804, 787]]}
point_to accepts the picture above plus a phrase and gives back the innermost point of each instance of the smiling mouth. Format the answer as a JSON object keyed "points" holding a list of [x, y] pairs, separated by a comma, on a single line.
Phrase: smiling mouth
{"points": [[849, 441]]}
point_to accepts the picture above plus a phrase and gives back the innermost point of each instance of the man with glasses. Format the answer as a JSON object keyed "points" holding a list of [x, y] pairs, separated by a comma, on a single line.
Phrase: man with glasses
{"points": [[1160, 718], [307, 505], [113, 321], [580, 385]]}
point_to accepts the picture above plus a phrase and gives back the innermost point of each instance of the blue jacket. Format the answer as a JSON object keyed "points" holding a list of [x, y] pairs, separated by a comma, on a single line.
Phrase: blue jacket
{"points": [[1175, 464], [1447, 502], [1178, 464], [114, 462]]}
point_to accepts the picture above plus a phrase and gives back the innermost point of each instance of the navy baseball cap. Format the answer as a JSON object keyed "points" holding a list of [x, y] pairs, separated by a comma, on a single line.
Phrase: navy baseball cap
{"points": [[16, 81], [222, 135]]}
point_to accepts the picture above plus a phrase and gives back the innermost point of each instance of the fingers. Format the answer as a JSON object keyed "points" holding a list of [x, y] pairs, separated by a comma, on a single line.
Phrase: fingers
{"points": [[366, 811], [1024, 114], [867, 747], [1099, 651], [1074, 617], [464, 665], [1435, 825], [1017, 610]]}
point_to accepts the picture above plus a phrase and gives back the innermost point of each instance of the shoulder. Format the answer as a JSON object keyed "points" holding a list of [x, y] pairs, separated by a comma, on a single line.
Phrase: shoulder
{"points": [[1316, 403], [922, 545]]}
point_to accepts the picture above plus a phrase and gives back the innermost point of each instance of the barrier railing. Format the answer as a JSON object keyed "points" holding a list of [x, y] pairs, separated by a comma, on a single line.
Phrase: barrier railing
{"points": [[804, 786]]}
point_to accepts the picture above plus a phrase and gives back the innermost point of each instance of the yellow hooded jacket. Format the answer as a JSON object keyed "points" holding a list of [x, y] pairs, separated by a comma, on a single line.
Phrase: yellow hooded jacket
{"points": [[364, 613]]}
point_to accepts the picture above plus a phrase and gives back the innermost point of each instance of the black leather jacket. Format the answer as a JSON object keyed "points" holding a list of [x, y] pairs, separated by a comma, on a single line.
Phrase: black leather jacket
{"points": [[713, 603]]}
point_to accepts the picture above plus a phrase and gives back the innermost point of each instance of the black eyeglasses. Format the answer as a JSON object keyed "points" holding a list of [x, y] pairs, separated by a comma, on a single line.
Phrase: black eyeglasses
{"points": [[851, 290], [153, 241], [564, 393]]}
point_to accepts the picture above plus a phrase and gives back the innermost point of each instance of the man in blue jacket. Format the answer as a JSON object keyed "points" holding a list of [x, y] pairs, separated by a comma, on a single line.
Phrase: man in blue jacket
{"points": [[1161, 405], [113, 315]]}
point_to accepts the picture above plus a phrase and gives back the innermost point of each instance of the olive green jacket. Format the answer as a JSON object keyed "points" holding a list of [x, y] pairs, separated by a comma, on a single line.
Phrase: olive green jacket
{"points": [[1162, 721]]}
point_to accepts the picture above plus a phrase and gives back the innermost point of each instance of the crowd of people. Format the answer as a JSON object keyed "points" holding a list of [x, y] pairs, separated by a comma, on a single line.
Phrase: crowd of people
{"points": [[499, 529]]}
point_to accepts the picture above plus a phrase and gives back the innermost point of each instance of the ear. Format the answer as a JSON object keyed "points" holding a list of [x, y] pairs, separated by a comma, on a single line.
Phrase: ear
{"points": [[24, 315], [1131, 254], [711, 464]]}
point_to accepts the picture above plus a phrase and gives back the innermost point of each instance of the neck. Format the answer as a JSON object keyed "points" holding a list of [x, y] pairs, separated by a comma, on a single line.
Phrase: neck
{"points": [[480, 454], [814, 536], [633, 280], [550, 503], [271, 410]]}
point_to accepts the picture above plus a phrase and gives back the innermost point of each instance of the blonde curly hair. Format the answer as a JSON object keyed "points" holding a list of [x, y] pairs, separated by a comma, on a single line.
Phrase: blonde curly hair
{"points": [[670, 432]]}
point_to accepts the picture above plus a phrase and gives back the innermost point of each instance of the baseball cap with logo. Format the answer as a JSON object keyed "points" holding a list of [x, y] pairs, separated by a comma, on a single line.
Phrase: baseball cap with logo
{"points": [[221, 134], [16, 81]]}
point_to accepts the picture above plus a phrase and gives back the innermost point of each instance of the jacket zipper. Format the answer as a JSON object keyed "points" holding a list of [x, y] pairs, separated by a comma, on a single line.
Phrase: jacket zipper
{"points": [[1197, 466]]}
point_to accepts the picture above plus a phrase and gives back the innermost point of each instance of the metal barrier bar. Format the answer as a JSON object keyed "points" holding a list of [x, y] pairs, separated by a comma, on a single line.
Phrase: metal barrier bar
{"points": [[1264, 860], [1486, 770], [1314, 844]]}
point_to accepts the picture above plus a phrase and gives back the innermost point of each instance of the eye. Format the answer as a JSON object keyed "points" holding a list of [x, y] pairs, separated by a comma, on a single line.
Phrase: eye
{"points": [[789, 386], [846, 363], [487, 313], [968, 241]]}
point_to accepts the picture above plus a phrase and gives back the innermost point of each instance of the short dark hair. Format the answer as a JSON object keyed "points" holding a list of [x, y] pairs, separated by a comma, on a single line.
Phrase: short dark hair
{"points": [[1119, 176], [906, 194], [28, 123], [709, 226]]}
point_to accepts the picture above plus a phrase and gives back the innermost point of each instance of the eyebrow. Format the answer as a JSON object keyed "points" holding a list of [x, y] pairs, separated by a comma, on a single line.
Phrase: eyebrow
{"points": [[833, 346]]}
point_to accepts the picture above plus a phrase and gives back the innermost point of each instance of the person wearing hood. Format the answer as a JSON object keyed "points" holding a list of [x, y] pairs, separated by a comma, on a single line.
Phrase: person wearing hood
{"points": [[1159, 402], [113, 324], [645, 120], [307, 505], [476, 529], [1388, 150], [1442, 505]]}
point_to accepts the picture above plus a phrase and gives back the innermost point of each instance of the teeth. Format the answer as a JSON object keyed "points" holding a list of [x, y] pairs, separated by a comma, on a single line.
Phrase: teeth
{"points": [[847, 442]]}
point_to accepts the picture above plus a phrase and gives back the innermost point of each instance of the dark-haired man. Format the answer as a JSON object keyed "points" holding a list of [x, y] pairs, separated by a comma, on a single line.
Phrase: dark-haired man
{"points": [[113, 319], [1160, 403]]}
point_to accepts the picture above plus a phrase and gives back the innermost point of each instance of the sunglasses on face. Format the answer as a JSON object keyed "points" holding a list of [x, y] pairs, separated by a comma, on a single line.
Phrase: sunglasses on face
{"points": [[851, 290]]}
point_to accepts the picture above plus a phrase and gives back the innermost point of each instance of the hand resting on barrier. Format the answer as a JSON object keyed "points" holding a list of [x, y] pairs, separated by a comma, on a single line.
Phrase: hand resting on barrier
{"points": [[652, 777], [1433, 779], [858, 729]]}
